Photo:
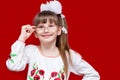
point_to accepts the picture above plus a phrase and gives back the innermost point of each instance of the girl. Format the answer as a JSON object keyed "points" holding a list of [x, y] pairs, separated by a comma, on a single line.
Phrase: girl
{"points": [[53, 59]]}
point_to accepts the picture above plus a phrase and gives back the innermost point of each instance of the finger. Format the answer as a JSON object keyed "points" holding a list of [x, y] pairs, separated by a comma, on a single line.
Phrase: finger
{"points": [[25, 26], [33, 26], [30, 29], [27, 29]]}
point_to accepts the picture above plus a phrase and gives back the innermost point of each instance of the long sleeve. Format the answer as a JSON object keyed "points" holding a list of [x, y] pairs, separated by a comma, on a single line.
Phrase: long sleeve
{"points": [[18, 59], [81, 67]]}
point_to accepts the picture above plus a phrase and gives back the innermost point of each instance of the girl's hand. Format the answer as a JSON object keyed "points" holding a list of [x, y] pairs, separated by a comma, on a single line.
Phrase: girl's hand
{"points": [[26, 32]]}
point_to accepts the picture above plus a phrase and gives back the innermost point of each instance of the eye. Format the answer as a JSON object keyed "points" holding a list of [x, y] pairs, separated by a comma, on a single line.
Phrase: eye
{"points": [[51, 25], [40, 27]]}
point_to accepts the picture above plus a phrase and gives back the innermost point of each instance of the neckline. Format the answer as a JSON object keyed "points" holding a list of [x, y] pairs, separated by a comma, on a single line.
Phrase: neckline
{"points": [[51, 57]]}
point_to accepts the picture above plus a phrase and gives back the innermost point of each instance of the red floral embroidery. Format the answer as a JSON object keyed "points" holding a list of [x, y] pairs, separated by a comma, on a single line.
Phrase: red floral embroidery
{"points": [[37, 74], [32, 72], [62, 75], [36, 77], [57, 79], [41, 72], [53, 74]]}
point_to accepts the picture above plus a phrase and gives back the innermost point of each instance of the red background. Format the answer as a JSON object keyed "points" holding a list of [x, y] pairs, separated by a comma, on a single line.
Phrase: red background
{"points": [[93, 32]]}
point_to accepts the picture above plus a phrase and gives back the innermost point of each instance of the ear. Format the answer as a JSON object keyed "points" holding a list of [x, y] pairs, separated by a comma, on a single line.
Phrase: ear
{"points": [[59, 30]]}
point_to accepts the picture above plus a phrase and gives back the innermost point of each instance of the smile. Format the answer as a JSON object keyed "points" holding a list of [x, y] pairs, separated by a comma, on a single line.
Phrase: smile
{"points": [[46, 36]]}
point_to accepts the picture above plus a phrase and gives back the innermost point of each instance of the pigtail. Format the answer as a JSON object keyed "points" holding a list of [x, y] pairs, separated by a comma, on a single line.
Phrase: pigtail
{"points": [[63, 46]]}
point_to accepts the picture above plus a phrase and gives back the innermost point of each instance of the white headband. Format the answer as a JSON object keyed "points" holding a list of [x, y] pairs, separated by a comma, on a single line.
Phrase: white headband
{"points": [[54, 6]]}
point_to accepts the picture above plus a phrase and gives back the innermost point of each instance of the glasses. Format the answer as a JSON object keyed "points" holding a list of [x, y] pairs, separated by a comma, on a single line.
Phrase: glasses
{"points": [[43, 28]]}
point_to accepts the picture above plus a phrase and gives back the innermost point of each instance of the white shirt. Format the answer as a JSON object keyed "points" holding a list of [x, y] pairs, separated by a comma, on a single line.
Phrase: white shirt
{"points": [[47, 68]]}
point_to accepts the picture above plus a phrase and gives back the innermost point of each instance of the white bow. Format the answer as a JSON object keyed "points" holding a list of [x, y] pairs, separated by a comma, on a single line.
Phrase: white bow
{"points": [[64, 30], [54, 6]]}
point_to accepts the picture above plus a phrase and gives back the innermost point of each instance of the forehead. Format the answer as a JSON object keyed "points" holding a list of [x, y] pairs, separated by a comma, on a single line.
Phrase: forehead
{"points": [[48, 22]]}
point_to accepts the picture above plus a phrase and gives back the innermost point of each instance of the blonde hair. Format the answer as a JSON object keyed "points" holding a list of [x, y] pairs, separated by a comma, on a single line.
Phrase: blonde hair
{"points": [[62, 40]]}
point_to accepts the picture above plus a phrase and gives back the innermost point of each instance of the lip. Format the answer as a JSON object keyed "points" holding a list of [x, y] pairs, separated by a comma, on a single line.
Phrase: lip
{"points": [[46, 36]]}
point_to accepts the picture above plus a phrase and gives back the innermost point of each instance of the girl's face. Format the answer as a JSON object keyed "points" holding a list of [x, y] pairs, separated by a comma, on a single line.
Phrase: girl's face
{"points": [[47, 32]]}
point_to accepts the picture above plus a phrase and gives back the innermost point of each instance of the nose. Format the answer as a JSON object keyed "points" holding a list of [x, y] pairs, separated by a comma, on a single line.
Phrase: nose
{"points": [[46, 29]]}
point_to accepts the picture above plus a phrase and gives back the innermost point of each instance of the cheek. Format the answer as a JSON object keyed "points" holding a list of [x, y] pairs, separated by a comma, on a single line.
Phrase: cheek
{"points": [[38, 32]]}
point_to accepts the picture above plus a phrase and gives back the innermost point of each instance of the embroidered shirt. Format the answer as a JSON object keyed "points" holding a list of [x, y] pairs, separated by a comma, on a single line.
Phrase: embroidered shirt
{"points": [[47, 68]]}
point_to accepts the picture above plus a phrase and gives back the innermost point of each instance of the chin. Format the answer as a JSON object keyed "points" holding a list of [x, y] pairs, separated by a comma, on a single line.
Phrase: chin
{"points": [[48, 40]]}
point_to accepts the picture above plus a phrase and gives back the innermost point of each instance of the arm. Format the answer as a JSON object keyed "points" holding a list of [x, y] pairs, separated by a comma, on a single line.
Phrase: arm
{"points": [[81, 67], [18, 58]]}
